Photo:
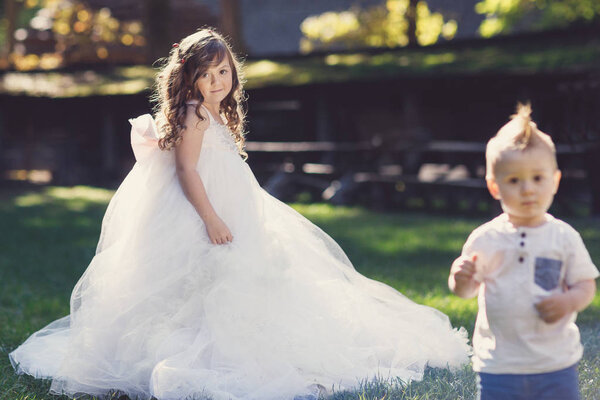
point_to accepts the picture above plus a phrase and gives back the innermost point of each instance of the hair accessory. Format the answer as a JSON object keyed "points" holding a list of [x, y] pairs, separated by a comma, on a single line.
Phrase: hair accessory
{"points": [[182, 60], [175, 44]]}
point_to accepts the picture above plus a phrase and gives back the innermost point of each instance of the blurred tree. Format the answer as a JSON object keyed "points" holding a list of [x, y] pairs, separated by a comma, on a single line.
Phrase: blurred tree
{"points": [[86, 35], [395, 23], [46, 34], [504, 16], [49, 34], [157, 14], [411, 19], [231, 24], [9, 11]]}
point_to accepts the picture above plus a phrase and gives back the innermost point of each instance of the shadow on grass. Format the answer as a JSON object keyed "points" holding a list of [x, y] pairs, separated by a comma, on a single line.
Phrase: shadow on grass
{"points": [[49, 237]]}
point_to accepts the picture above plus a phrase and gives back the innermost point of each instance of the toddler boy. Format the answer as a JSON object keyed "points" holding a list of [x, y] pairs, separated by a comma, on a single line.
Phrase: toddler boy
{"points": [[531, 272]]}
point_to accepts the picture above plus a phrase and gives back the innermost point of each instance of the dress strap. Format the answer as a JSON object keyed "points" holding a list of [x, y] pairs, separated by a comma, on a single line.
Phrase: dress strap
{"points": [[210, 116]]}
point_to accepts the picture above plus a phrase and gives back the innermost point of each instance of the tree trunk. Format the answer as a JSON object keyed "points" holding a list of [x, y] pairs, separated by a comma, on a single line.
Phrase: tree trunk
{"points": [[157, 15], [411, 17], [231, 24], [10, 8]]}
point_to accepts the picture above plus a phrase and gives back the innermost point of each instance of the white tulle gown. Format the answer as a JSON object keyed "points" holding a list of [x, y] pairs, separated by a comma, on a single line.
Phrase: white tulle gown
{"points": [[162, 312]]}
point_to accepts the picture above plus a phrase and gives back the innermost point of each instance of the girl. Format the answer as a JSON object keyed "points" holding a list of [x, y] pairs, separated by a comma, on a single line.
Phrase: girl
{"points": [[205, 284]]}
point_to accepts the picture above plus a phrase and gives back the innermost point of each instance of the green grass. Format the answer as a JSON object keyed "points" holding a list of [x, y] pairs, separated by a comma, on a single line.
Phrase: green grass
{"points": [[49, 236]]}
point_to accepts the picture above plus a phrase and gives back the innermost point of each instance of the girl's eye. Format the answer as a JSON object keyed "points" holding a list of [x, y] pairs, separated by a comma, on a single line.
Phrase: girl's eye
{"points": [[538, 178], [223, 71]]}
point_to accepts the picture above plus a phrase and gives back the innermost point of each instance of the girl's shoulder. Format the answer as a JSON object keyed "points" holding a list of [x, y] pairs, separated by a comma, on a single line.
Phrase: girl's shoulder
{"points": [[192, 121]]}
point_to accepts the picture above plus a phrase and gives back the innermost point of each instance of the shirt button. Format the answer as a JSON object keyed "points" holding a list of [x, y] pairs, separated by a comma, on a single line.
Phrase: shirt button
{"points": [[521, 259], [523, 234], [522, 244]]}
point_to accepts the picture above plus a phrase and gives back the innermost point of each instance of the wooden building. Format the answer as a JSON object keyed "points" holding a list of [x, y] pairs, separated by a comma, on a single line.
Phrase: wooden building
{"points": [[380, 127]]}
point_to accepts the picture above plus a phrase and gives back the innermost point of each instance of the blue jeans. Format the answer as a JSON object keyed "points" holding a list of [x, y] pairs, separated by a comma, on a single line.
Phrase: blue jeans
{"points": [[557, 385]]}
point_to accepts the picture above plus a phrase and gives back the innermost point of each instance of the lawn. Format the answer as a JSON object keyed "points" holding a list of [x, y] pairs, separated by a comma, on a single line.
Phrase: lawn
{"points": [[49, 236]]}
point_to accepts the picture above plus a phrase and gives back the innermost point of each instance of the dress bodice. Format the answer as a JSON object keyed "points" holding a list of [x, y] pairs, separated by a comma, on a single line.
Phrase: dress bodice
{"points": [[217, 136]]}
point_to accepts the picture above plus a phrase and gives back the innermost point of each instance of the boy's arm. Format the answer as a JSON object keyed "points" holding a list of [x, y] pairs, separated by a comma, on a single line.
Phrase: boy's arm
{"points": [[577, 297], [461, 281]]}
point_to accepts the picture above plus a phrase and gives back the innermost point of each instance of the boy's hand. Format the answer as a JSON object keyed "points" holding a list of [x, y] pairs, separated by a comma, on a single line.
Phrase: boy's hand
{"points": [[463, 269], [577, 297], [555, 307], [461, 280]]}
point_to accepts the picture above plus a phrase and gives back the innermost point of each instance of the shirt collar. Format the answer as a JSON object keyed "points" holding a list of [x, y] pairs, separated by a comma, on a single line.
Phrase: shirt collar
{"points": [[507, 227]]}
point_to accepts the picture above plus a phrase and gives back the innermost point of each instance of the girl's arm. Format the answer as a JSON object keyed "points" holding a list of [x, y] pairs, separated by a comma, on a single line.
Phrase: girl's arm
{"points": [[187, 153], [576, 298]]}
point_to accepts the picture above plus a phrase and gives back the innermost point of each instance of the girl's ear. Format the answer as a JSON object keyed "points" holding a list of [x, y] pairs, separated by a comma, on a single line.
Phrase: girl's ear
{"points": [[493, 188], [557, 176]]}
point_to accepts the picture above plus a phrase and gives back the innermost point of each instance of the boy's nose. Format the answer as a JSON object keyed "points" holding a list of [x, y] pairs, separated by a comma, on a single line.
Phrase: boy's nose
{"points": [[526, 187]]}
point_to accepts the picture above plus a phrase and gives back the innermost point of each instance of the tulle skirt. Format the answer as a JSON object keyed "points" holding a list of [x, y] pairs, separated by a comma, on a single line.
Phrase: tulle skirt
{"points": [[162, 312]]}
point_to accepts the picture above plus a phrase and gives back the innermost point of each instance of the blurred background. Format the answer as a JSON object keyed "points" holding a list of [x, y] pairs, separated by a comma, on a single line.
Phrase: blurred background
{"points": [[386, 104]]}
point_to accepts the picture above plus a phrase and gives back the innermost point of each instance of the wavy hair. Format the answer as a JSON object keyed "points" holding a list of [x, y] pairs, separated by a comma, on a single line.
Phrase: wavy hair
{"points": [[176, 85]]}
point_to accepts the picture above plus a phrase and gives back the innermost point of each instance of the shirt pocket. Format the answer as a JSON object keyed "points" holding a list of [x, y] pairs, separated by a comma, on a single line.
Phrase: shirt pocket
{"points": [[547, 272]]}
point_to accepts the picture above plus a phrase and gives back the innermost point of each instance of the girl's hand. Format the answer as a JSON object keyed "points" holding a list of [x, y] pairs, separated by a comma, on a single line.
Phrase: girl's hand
{"points": [[218, 232], [555, 307]]}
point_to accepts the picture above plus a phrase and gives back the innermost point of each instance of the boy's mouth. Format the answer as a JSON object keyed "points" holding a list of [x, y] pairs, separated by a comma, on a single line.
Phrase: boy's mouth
{"points": [[528, 203]]}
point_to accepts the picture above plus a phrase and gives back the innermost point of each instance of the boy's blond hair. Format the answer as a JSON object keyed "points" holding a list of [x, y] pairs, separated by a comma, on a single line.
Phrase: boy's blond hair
{"points": [[519, 134]]}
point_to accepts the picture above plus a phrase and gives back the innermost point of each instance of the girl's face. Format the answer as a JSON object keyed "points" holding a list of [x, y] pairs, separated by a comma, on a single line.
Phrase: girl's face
{"points": [[215, 83]]}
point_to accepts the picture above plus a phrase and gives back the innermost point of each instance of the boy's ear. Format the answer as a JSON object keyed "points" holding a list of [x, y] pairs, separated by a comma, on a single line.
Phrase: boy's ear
{"points": [[557, 176], [493, 188]]}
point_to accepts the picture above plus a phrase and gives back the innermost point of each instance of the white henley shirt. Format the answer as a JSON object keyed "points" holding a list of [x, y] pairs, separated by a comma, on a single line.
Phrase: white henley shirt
{"points": [[517, 267]]}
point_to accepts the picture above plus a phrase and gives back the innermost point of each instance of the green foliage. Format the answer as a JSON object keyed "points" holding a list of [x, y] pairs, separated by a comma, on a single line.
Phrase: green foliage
{"points": [[502, 16], [3, 29], [378, 26], [564, 55], [82, 34], [49, 236]]}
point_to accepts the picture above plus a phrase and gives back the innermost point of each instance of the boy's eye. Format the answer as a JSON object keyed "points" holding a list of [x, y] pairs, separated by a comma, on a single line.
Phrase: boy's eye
{"points": [[513, 180], [538, 178]]}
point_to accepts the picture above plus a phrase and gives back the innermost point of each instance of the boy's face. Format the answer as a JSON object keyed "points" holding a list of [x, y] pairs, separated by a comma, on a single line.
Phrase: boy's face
{"points": [[525, 183]]}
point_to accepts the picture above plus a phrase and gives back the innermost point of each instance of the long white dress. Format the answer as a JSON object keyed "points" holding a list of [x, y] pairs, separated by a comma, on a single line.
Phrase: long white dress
{"points": [[162, 312]]}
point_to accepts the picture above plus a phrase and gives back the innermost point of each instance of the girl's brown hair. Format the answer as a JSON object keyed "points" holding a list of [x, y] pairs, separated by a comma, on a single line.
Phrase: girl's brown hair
{"points": [[176, 85]]}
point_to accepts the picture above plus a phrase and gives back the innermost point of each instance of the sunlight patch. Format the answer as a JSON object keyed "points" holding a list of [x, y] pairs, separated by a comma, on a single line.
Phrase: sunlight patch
{"points": [[86, 193]]}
